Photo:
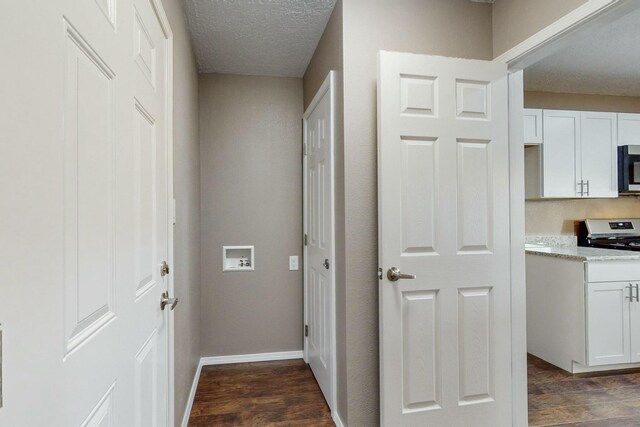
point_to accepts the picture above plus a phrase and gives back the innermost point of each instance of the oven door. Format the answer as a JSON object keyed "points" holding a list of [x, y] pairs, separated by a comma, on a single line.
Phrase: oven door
{"points": [[629, 169]]}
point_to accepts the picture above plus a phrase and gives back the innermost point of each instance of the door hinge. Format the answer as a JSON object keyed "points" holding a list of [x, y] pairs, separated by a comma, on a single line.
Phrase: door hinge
{"points": [[306, 330], [164, 268], [379, 273], [305, 239]]}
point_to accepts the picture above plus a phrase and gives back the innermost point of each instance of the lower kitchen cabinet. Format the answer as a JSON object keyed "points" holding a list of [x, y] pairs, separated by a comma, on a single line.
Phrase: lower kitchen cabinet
{"points": [[581, 315], [608, 324]]}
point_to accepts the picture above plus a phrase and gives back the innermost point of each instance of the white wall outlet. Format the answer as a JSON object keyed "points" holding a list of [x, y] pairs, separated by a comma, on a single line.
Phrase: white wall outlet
{"points": [[293, 263]]}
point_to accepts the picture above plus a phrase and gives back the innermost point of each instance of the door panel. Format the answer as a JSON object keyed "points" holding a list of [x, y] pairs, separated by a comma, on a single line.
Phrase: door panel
{"points": [[319, 249], [608, 323], [84, 336], [89, 186], [444, 217]]}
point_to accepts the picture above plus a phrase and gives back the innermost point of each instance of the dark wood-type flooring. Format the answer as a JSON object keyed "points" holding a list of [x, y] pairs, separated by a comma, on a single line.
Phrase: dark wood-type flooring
{"points": [[282, 393], [605, 399]]}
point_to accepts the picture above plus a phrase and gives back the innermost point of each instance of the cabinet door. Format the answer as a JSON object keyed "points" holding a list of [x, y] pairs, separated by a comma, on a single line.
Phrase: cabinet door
{"points": [[532, 126], [628, 129], [608, 337], [597, 151], [634, 316], [561, 135]]}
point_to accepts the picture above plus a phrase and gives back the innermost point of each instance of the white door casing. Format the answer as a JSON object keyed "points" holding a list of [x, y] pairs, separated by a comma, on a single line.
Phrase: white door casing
{"points": [[319, 229], [443, 181], [84, 336]]}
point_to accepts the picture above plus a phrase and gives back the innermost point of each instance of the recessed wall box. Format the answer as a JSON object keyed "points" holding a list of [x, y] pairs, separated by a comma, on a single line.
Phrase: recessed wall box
{"points": [[238, 258]]}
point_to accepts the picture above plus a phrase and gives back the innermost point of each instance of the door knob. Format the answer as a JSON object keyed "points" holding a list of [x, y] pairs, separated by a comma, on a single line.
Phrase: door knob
{"points": [[394, 275], [326, 263], [166, 301]]}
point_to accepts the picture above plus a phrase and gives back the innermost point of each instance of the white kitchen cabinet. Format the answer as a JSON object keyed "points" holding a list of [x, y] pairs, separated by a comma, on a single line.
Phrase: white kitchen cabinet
{"points": [[561, 140], [608, 324], [583, 316], [628, 129], [597, 154], [532, 126], [577, 157], [634, 322]]}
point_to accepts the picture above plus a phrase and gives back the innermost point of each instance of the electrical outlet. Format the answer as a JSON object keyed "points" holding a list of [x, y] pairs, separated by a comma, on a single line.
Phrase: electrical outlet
{"points": [[293, 263]]}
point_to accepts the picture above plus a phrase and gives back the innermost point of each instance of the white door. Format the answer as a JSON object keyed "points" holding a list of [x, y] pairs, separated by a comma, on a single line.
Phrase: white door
{"points": [[85, 340], [445, 336], [608, 323], [560, 164], [598, 154], [628, 129], [532, 125], [318, 228]]}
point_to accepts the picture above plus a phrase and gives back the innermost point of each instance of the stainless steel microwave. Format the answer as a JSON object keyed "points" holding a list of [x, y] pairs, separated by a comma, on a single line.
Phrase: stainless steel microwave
{"points": [[629, 169]]}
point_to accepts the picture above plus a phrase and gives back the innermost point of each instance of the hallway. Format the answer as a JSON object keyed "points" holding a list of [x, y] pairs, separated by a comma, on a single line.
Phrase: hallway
{"points": [[263, 393]]}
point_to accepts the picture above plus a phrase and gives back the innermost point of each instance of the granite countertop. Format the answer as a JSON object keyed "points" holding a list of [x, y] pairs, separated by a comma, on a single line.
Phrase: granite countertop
{"points": [[579, 253], [566, 247]]}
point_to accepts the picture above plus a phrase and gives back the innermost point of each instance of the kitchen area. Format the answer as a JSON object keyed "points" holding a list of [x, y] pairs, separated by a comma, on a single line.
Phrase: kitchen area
{"points": [[582, 221]]}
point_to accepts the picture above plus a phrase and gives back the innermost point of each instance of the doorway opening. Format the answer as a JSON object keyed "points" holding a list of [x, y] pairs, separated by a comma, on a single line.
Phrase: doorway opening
{"points": [[574, 101]]}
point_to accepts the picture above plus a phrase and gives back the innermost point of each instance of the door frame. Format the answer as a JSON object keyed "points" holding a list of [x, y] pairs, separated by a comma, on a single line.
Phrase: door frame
{"points": [[171, 206], [593, 14], [327, 87]]}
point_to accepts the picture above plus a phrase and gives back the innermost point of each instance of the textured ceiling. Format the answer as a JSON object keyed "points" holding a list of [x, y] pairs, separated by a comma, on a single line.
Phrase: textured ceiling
{"points": [[257, 37], [604, 61]]}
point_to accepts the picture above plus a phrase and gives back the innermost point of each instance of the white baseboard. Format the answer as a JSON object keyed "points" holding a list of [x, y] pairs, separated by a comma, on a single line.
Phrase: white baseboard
{"points": [[245, 358], [192, 396], [336, 419]]}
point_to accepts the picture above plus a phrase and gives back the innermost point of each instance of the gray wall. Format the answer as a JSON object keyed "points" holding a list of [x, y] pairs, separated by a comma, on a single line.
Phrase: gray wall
{"points": [[251, 194], [187, 194], [327, 57], [516, 20]]}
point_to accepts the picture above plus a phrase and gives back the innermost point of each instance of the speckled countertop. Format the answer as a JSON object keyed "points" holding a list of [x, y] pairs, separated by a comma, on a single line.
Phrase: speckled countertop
{"points": [[579, 253], [566, 247]]}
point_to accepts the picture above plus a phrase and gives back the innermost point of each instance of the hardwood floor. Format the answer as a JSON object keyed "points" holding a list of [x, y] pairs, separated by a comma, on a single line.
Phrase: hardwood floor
{"points": [[282, 393], [605, 399]]}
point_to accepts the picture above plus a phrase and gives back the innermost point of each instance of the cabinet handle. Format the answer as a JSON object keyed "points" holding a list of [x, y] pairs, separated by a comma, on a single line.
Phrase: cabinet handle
{"points": [[637, 292], [581, 184], [630, 288], [587, 188]]}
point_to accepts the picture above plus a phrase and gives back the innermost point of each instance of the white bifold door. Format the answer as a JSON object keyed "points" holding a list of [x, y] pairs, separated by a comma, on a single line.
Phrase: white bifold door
{"points": [[444, 242], [85, 337]]}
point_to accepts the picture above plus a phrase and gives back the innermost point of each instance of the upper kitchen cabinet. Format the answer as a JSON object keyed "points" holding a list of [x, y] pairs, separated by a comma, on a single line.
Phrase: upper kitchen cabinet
{"points": [[577, 157], [532, 126], [598, 154], [628, 129], [561, 141]]}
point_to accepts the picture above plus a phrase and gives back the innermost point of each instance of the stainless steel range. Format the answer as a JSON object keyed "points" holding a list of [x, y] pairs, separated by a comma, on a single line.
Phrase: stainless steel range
{"points": [[621, 234]]}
